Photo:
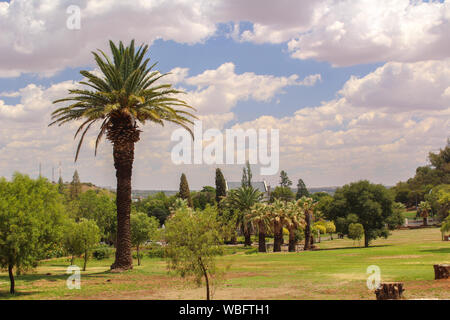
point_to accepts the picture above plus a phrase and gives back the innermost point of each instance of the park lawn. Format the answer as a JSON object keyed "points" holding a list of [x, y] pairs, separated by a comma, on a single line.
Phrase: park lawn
{"points": [[336, 271]]}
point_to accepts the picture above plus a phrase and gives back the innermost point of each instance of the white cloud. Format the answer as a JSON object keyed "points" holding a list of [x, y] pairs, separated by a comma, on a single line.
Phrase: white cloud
{"points": [[352, 32], [219, 90]]}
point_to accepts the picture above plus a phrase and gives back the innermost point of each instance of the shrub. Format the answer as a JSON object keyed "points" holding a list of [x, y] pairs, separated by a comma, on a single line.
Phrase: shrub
{"points": [[355, 231], [103, 252], [252, 251], [156, 252]]}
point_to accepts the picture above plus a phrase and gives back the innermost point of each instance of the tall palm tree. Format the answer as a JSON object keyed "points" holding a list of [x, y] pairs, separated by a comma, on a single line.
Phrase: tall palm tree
{"points": [[294, 218], [309, 207], [259, 216], [125, 95], [242, 200]]}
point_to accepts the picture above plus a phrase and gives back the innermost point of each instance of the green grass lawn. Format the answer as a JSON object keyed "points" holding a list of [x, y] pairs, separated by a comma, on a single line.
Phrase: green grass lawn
{"points": [[336, 271]]}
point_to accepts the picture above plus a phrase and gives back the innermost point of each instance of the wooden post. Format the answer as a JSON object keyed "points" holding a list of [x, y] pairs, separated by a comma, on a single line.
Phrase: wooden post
{"points": [[390, 291], [441, 271]]}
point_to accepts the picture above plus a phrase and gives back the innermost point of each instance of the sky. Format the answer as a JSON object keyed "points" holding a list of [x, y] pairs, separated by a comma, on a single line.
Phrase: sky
{"points": [[359, 89]]}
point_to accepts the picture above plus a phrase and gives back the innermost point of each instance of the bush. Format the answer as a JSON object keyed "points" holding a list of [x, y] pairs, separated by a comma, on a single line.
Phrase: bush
{"points": [[156, 252], [252, 251], [103, 252], [355, 231]]}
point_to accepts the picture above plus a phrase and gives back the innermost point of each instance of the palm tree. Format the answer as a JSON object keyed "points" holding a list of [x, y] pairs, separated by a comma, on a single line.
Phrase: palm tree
{"points": [[294, 218], [125, 95], [259, 216], [278, 218], [242, 200], [424, 209], [309, 207]]}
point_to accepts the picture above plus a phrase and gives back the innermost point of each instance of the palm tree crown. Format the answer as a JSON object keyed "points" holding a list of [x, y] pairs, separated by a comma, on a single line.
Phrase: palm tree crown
{"points": [[124, 95]]}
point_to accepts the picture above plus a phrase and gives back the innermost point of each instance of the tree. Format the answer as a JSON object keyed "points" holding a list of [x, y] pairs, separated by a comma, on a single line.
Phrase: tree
{"points": [[100, 207], [445, 227], [371, 203], [193, 242], [294, 219], [31, 222], [259, 216], [283, 194], [61, 186], [397, 218], [277, 214], [241, 201], [143, 228], [125, 95], [89, 234], [207, 196], [75, 186], [247, 175], [221, 187], [285, 182], [302, 191], [185, 193], [72, 241], [424, 210], [309, 209], [355, 231], [330, 228]]}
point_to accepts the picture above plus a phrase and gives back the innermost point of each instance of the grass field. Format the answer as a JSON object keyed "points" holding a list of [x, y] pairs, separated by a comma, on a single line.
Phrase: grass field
{"points": [[336, 271]]}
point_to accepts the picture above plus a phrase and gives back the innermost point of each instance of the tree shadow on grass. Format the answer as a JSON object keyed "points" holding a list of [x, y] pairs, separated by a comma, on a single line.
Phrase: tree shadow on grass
{"points": [[441, 250], [31, 277], [5, 295], [346, 248]]}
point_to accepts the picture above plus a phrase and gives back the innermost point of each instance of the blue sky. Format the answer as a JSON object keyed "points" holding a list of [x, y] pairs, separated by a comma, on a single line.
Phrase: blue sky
{"points": [[382, 101]]}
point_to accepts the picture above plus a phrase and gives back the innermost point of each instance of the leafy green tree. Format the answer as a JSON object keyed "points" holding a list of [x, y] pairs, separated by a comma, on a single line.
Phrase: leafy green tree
{"points": [[371, 203], [143, 228], [81, 237], [99, 206], [283, 194], [31, 222], [207, 196], [285, 182], [397, 218], [61, 186], [221, 187], [445, 227], [241, 201], [125, 95], [185, 193], [75, 186], [330, 228], [193, 241], [355, 231], [302, 191]]}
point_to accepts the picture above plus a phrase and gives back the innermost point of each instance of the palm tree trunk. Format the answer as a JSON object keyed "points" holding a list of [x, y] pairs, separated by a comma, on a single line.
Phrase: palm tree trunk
{"points": [[277, 235], [123, 162], [11, 279], [262, 237], [292, 242], [138, 256], [307, 232], [248, 237]]}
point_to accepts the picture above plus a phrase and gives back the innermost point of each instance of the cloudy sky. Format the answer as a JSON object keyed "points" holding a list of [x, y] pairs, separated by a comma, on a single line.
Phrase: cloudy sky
{"points": [[359, 89]]}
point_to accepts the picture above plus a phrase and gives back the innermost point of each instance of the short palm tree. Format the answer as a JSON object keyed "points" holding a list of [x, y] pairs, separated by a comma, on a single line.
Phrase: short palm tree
{"points": [[124, 95], [259, 216], [242, 200], [294, 219], [424, 209], [277, 212], [308, 206]]}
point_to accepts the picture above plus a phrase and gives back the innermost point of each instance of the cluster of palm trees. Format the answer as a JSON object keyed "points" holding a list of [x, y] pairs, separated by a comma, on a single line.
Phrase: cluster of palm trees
{"points": [[270, 218]]}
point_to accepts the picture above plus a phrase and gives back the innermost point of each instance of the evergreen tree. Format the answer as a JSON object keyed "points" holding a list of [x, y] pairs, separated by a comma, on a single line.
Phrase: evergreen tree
{"points": [[285, 182], [221, 187], [302, 191], [75, 186], [184, 190], [246, 180], [60, 185]]}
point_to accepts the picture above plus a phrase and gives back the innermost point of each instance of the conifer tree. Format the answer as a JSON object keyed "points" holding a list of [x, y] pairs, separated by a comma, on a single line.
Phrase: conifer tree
{"points": [[302, 191], [221, 188], [184, 190], [75, 186]]}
